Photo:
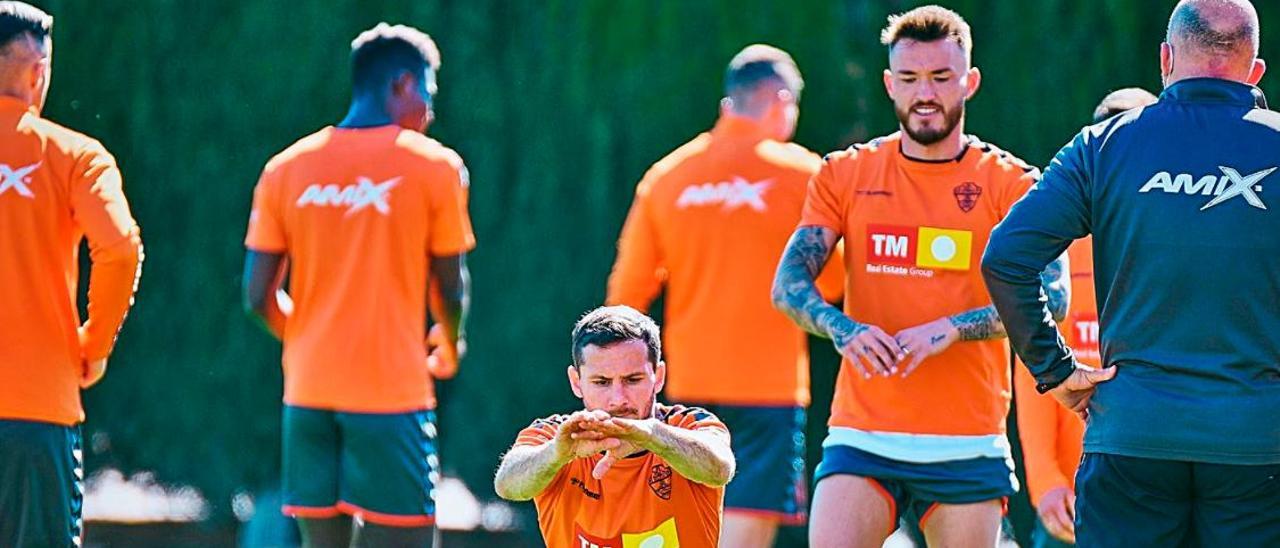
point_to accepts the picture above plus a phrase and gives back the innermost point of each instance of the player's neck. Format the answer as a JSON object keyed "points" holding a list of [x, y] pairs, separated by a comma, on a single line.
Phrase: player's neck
{"points": [[949, 148], [11, 94], [365, 112]]}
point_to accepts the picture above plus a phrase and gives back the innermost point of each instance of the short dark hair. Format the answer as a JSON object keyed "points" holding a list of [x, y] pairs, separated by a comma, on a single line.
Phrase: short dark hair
{"points": [[760, 62], [1121, 100], [928, 24], [17, 18], [384, 51], [610, 325]]}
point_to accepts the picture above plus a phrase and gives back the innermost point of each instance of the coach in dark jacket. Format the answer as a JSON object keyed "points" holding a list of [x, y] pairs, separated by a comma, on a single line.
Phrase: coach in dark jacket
{"points": [[1183, 200]]}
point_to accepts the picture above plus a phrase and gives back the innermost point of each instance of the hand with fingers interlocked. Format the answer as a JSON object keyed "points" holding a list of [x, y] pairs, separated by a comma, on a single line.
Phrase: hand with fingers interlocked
{"points": [[867, 347], [924, 341], [631, 435], [575, 439]]}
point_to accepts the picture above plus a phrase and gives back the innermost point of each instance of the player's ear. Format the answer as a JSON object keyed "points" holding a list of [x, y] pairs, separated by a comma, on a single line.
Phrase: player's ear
{"points": [[1255, 73], [404, 84], [888, 83], [973, 82], [660, 376], [575, 381], [1166, 60]]}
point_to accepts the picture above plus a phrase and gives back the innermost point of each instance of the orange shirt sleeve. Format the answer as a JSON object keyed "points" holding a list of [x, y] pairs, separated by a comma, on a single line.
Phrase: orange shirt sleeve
{"points": [[115, 247], [540, 432], [696, 418], [1038, 429], [830, 281], [824, 203], [638, 271], [266, 223], [1021, 182], [450, 222]]}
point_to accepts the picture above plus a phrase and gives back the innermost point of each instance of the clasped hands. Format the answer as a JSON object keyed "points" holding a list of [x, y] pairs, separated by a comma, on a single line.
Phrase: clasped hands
{"points": [[587, 433], [874, 352]]}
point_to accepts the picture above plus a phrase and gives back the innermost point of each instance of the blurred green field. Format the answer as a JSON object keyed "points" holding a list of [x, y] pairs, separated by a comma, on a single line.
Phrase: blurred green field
{"points": [[558, 107]]}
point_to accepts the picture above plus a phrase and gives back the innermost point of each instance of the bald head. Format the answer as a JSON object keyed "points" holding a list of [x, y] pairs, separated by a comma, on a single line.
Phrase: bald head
{"points": [[25, 48], [1122, 100], [1212, 39]]}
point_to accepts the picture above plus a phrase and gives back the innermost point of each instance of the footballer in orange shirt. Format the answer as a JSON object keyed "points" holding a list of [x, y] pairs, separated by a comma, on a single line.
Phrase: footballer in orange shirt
{"points": [[57, 187], [361, 215], [627, 471], [1053, 436], [709, 222], [917, 428]]}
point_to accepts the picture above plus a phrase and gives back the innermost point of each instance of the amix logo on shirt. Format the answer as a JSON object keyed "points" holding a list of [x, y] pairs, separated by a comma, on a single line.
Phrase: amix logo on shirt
{"points": [[362, 194], [17, 179], [662, 536], [731, 194], [907, 251], [1226, 186]]}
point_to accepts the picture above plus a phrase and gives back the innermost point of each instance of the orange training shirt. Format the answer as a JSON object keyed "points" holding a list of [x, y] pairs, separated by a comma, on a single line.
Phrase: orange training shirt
{"points": [[914, 233], [711, 221], [1053, 436], [57, 187], [640, 498], [359, 212]]}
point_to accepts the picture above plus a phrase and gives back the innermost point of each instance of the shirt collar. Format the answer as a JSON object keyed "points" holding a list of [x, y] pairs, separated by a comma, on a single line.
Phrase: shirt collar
{"points": [[1211, 90], [739, 127], [12, 106]]}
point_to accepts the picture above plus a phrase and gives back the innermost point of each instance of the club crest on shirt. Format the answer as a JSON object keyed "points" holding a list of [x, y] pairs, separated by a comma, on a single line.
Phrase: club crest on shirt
{"points": [[660, 481], [967, 195]]}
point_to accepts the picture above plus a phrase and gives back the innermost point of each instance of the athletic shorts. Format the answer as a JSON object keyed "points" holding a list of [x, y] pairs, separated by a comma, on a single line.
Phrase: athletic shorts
{"points": [[768, 444], [914, 490], [380, 468], [1130, 501], [41, 484]]}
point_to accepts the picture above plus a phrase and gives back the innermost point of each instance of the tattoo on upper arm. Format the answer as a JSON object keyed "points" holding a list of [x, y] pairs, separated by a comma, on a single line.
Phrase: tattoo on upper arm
{"points": [[1057, 289], [978, 324]]}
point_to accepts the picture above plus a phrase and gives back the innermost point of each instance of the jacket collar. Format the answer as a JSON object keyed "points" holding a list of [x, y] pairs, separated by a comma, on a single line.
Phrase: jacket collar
{"points": [[1212, 90]]}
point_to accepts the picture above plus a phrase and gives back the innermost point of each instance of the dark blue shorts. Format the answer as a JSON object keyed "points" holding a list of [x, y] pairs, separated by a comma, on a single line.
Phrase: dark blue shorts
{"points": [[914, 490], [768, 443], [1130, 501], [381, 468], [41, 484]]}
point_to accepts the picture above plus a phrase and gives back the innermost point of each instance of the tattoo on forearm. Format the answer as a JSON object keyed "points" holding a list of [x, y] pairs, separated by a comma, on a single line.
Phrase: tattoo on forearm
{"points": [[794, 290], [979, 324], [1057, 289]]}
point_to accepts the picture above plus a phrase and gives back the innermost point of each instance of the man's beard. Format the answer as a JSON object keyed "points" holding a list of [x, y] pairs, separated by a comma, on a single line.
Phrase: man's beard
{"points": [[630, 413], [931, 135]]}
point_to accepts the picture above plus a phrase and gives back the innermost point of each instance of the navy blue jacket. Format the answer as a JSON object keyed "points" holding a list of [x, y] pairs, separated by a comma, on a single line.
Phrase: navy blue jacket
{"points": [[1183, 200]]}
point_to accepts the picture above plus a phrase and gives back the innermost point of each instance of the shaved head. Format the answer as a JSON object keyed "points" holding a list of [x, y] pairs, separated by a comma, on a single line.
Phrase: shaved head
{"points": [[25, 47], [1213, 38], [1121, 100]]}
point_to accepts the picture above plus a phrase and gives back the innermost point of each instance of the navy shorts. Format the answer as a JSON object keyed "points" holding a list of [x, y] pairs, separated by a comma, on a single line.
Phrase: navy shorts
{"points": [[380, 468], [914, 490], [1130, 501], [41, 484], [768, 443]]}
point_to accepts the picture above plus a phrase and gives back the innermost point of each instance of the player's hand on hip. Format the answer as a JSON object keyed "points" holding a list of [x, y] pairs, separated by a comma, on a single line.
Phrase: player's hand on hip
{"points": [[924, 341], [1057, 512], [1075, 392], [868, 348], [93, 372]]}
